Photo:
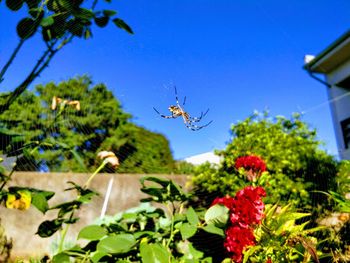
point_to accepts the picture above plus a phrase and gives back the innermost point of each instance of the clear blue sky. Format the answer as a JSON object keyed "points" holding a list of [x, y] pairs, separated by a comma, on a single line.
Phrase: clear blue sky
{"points": [[233, 57]]}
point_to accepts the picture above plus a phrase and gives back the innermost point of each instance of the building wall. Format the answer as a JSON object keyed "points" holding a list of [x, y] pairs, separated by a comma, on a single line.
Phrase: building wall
{"points": [[340, 104], [21, 226]]}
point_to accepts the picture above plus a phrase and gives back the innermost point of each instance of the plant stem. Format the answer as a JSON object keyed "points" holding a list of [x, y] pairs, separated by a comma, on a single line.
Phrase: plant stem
{"points": [[9, 62], [94, 174], [171, 226], [7, 179], [63, 234]]}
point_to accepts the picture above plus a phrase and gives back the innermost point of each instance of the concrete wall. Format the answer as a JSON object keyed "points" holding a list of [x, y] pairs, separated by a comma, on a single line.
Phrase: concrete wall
{"points": [[21, 226]]}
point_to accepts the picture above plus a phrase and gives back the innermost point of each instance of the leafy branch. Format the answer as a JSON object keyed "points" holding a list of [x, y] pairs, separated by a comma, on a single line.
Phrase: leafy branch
{"points": [[58, 21]]}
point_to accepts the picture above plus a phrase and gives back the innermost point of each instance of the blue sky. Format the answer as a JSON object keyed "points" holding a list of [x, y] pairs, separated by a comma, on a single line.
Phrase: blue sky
{"points": [[233, 57]]}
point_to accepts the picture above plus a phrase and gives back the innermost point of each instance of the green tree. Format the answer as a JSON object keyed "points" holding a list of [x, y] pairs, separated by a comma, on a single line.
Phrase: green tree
{"points": [[295, 163], [59, 22], [67, 139], [140, 150]]}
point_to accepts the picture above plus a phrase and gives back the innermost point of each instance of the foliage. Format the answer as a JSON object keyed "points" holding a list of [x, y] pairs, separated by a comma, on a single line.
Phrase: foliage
{"points": [[183, 167], [280, 239], [5, 245], [67, 139], [343, 178], [170, 233], [338, 236], [58, 22], [148, 233], [140, 150], [295, 164], [22, 198]]}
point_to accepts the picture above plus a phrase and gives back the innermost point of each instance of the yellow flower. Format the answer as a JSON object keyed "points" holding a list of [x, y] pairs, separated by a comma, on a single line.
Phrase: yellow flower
{"points": [[21, 200]]}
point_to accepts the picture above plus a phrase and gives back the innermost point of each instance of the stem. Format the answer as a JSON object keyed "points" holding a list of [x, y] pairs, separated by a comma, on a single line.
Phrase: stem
{"points": [[63, 234], [9, 62], [171, 227], [93, 175], [7, 179]]}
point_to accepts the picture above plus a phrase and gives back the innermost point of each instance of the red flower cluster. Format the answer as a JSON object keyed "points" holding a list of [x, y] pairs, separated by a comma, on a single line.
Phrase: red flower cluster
{"points": [[227, 201], [246, 210], [253, 165], [248, 207], [237, 239]]}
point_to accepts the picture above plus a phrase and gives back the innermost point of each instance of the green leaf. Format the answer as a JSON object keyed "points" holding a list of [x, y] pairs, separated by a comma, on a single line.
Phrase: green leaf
{"points": [[217, 215], [65, 5], [84, 14], [48, 228], [154, 253], [14, 5], [26, 28], [121, 243], [101, 21], [40, 202], [87, 35], [86, 198], [121, 24], [194, 253], [47, 21], [187, 230], [109, 12], [92, 232], [214, 230], [75, 27], [61, 258], [289, 216], [166, 190], [97, 255], [67, 207], [36, 13], [32, 3], [251, 250], [192, 217]]}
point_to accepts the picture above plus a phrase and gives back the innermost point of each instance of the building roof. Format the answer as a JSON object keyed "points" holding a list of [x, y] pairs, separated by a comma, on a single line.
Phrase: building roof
{"points": [[332, 57]]}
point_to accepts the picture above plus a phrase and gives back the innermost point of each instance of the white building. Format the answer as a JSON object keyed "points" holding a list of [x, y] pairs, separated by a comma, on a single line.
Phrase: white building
{"points": [[203, 158], [334, 64]]}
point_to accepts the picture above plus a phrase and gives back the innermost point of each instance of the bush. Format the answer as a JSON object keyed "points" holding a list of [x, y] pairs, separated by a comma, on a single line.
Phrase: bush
{"points": [[295, 164]]}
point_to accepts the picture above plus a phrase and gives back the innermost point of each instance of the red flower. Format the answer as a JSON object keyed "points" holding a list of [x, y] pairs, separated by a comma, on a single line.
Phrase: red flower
{"points": [[253, 165], [248, 206], [226, 201], [237, 239], [269, 260]]}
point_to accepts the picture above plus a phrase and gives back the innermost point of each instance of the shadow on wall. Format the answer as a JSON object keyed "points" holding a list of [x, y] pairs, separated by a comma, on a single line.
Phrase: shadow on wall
{"points": [[21, 226]]}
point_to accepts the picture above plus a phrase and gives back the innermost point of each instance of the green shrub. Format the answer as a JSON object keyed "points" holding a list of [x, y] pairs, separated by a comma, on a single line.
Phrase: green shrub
{"points": [[296, 166]]}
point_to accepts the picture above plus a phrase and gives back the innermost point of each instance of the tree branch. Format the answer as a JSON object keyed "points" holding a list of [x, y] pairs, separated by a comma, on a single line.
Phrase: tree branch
{"points": [[94, 4], [32, 75], [9, 62]]}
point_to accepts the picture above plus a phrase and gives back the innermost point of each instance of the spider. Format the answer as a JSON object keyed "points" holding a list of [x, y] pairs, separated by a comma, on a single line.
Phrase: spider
{"points": [[177, 111]]}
